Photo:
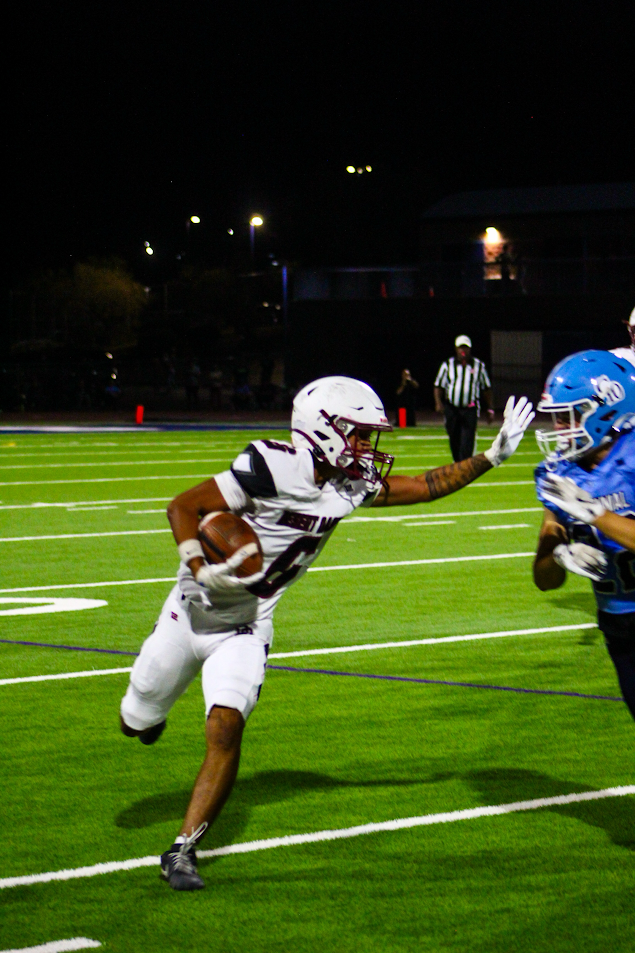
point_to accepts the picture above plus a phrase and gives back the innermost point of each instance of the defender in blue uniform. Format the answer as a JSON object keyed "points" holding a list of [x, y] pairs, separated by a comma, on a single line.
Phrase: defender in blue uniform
{"points": [[587, 485]]}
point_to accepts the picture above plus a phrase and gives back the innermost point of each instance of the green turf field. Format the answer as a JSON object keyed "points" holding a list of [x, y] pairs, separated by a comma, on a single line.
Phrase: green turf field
{"points": [[458, 726]]}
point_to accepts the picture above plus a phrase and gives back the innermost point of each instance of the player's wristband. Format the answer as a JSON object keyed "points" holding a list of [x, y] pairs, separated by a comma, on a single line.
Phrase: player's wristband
{"points": [[190, 549]]}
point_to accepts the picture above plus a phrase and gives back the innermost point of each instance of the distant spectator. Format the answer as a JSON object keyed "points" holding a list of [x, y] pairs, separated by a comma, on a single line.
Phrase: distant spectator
{"points": [[407, 397]]}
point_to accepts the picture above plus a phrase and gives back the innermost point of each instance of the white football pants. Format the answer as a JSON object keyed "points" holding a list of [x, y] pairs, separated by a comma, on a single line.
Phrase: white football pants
{"points": [[232, 663]]}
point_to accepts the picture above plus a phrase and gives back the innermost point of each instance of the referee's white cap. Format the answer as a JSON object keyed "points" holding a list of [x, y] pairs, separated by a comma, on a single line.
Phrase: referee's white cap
{"points": [[464, 339]]}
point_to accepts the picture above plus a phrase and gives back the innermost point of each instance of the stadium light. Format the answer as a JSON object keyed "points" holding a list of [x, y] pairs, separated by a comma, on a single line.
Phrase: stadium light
{"points": [[351, 169], [254, 222], [195, 220]]}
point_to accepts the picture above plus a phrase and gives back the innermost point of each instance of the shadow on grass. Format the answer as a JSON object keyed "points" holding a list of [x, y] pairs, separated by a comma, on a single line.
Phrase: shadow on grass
{"points": [[266, 787], [576, 602], [615, 815]]}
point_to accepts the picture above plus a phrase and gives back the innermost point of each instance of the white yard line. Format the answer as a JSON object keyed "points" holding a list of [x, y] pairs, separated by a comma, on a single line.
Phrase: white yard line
{"points": [[116, 479], [123, 532], [172, 579], [371, 646], [334, 650], [436, 515], [507, 466], [293, 840], [71, 505], [103, 463], [58, 946], [431, 523], [64, 675], [420, 562], [507, 526], [479, 484]]}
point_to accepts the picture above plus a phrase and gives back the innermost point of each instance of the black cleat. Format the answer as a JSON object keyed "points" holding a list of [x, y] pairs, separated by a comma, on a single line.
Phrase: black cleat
{"points": [[150, 735], [178, 864]]}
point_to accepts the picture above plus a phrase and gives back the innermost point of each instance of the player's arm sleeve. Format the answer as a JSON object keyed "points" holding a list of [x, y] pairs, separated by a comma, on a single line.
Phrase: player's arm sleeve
{"points": [[252, 473], [235, 497]]}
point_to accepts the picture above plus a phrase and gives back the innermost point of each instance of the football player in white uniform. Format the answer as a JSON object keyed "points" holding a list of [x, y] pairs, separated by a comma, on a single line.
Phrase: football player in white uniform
{"points": [[293, 495], [628, 352]]}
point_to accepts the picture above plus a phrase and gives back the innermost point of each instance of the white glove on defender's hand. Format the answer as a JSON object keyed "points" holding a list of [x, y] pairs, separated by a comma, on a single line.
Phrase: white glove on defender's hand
{"points": [[219, 576], [581, 559], [566, 495], [516, 419]]}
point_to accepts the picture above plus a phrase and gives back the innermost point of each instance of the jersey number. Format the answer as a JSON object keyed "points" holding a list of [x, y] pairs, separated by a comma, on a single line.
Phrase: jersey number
{"points": [[624, 568], [285, 568]]}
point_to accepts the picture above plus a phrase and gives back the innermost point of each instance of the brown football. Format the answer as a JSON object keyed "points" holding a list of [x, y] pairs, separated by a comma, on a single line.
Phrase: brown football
{"points": [[221, 534]]}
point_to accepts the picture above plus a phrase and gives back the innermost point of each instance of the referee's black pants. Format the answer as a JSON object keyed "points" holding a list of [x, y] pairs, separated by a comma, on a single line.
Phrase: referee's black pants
{"points": [[460, 423]]}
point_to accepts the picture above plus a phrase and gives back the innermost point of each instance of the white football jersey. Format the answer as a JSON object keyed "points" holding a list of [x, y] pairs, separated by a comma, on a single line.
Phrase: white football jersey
{"points": [[293, 518], [626, 352]]}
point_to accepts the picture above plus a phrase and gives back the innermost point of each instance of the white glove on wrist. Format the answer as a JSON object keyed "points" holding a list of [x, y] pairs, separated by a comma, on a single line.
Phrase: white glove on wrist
{"points": [[219, 576], [566, 495], [582, 559], [516, 419]]}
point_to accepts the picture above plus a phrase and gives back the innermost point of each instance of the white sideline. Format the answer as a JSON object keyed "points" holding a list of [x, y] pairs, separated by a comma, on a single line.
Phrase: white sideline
{"points": [[73, 505], [368, 647], [206, 476], [122, 532], [435, 515], [292, 840], [58, 946], [334, 650], [53, 678], [419, 562], [172, 579], [101, 463], [116, 479], [477, 483]]}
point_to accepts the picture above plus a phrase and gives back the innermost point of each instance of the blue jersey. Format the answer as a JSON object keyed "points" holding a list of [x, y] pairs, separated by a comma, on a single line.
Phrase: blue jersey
{"points": [[612, 481]]}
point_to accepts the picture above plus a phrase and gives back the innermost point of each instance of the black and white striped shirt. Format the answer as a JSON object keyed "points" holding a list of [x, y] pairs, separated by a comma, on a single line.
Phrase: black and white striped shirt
{"points": [[462, 385]]}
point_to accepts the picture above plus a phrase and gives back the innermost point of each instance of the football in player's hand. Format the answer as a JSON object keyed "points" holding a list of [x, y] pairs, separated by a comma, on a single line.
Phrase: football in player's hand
{"points": [[222, 534]]}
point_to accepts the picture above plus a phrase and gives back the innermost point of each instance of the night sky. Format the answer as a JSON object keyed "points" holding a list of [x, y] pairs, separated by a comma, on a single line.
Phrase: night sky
{"points": [[122, 124]]}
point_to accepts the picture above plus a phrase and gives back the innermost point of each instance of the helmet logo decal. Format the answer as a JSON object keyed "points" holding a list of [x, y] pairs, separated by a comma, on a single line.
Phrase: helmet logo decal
{"points": [[608, 391]]}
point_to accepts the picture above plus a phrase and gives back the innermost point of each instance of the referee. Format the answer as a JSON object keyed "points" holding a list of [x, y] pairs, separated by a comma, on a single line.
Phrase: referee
{"points": [[457, 390]]}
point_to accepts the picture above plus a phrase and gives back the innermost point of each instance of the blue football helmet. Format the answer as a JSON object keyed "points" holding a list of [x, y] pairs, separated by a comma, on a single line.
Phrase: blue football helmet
{"points": [[594, 393]]}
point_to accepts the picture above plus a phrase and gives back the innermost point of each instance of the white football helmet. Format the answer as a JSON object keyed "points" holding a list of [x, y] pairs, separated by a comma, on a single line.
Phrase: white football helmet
{"points": [[326, 411]]}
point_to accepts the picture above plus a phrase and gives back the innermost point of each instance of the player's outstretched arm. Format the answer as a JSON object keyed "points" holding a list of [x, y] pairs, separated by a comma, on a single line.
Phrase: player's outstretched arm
{"points": [[402, 490]]}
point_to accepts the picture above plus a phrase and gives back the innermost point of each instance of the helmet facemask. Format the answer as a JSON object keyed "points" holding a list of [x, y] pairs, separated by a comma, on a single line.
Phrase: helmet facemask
{"points": [[567, 443], [358, 462], [354, 461]]}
